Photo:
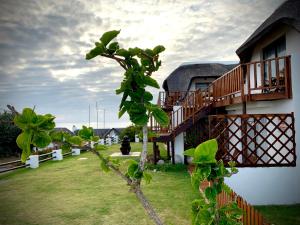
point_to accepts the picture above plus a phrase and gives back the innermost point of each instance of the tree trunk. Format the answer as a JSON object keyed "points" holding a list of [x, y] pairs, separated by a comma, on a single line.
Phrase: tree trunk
{"points": [[144, 151]]}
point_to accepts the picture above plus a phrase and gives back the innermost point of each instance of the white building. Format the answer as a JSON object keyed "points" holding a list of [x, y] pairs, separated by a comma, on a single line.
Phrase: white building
{"points": [[253, 110]]}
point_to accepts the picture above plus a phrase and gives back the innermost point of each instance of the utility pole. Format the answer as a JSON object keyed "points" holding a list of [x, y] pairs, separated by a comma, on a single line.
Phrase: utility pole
{"points": [[97, 113], [97, 109], [89, 115], [103, 118]]}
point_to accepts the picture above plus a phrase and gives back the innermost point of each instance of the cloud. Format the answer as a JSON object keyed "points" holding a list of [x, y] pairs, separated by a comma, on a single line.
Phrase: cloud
{"points": [[43, 46]]}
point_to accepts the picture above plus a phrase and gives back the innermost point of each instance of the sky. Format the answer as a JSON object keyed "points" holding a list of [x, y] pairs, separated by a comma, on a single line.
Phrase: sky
{"points": [[43, 45]]}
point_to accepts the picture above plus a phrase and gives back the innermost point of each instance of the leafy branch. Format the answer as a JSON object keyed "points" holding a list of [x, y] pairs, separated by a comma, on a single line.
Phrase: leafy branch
{"points": [[139, 64], [205, 209]]}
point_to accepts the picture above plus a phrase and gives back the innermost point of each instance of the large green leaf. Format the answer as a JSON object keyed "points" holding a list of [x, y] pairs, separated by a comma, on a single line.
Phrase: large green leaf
{"points": [[24, 139], [123, 52], [151, 82], [25, 119], [108, 36], [139, 118], [113, 47], [160, 116], [23, 142], [206, 152], [158, 49], [41, 139], [190, 152], [122, 111], [98, 50], [148, 96], [46, 122]]}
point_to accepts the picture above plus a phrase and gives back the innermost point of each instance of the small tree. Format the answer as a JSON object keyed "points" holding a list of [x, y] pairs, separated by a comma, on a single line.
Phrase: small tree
{"points": [[35, 131], [207, 168], [139, 64]]}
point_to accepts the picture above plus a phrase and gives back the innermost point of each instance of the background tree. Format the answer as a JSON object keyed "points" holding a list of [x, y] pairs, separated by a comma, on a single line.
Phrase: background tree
{"points": [[130, 132], [139, 64], [8, 135]]}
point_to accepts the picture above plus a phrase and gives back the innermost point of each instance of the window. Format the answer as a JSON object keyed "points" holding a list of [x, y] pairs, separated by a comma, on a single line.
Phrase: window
{"points": [[274, 50], [201, 86]]}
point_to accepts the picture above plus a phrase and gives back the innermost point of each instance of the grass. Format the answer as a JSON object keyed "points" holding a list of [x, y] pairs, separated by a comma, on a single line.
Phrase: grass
{"points": [[76, 191], [281, 214]]}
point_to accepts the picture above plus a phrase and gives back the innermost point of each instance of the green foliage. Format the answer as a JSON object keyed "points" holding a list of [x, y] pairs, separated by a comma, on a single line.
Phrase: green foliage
{"points": [[65, 140], [87, 134], [8, 135], [139, 64], [35, 130], [130, 132], [207, 168]]}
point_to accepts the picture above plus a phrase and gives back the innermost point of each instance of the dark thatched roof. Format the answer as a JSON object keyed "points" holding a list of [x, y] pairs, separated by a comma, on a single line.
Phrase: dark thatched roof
{"points": [[180, 78], [105, 131], [288, 13]]}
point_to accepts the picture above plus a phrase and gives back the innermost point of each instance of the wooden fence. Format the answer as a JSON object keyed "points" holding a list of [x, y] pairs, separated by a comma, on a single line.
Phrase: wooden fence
{"points": [[250, 215]]}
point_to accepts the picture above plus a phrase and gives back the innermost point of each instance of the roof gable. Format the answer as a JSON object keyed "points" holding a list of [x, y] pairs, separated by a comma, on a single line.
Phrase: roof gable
{"points": [[288, 13]]}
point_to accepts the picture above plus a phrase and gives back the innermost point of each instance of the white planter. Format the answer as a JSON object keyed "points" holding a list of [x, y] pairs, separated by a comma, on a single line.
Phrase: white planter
{"points": [[33, 161], [57, 155], [75, 151]]}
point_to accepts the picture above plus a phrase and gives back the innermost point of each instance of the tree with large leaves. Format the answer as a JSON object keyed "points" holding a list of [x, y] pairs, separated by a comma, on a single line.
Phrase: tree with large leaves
{"points": [[139, 64], [35, 131]]}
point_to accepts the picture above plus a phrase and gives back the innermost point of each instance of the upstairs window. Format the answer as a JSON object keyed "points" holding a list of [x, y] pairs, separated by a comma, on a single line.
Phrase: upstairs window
{"points": [[274, 50]]}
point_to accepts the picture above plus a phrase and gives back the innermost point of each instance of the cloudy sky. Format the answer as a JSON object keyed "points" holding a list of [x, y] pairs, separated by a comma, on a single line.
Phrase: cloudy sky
{"points": [[43, 45]]}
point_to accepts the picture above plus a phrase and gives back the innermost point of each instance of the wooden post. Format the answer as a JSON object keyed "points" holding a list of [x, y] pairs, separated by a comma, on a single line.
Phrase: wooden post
{"points": [[168, 150], [173, 151]]}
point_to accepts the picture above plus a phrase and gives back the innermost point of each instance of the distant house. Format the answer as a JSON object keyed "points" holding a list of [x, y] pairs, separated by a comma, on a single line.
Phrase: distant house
{"points": [[106, 133], [64, 129], [252, 110]]}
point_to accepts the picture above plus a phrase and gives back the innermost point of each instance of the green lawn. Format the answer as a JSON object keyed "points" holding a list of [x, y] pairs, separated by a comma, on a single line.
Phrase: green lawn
{"points": [[281, 214], [76, 191]]}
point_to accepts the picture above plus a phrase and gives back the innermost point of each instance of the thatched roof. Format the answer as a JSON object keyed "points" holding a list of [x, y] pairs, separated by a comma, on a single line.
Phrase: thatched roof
{"points": [[288, 13], [105, 131], [180, 78]]}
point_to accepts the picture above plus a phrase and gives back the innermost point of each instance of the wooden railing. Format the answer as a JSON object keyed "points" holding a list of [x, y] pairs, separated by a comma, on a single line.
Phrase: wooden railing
{"points": [[168, 99], [260, 80]]}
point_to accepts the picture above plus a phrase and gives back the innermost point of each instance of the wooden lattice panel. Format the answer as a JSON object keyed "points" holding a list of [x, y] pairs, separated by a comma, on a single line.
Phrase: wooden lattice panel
{"points": [[196, 134], [255, 140]]}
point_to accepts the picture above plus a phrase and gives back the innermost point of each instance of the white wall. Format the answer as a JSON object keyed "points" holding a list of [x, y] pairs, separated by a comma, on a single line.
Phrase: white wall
{"points": [[179, 148], [262, 186]]}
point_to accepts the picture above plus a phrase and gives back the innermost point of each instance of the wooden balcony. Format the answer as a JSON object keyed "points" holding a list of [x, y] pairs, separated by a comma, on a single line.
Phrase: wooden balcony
{"points": [[249, 140], [255, 81]]}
